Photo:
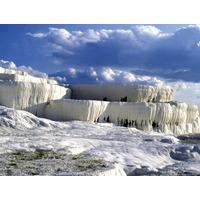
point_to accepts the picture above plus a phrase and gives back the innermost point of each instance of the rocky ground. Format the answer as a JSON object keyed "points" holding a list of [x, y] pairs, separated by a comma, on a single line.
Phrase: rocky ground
{"points": [[43, 162], [35, 146]]}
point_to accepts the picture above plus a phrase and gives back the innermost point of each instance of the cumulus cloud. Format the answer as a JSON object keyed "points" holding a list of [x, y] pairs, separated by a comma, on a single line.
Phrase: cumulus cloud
{"points": [[104, 75], [145, 47], [108, 74], [100, 47]]}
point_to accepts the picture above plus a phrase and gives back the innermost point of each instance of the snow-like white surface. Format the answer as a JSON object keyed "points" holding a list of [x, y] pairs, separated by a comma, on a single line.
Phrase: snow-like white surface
{"points": [[20, 90], [24, 88], [128, 148], [30, 96], [20, 76], [68, 109], [10, 67], [175, 118], [133, 93]]}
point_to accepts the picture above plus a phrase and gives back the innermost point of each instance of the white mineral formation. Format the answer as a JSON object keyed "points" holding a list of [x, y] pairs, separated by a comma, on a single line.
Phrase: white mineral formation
{"points": [[140, 106], [173, 117], [20, 90], [129, 93], [68, 109]]}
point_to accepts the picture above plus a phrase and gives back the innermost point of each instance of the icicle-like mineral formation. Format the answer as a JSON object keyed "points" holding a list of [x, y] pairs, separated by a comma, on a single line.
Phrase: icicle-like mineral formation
{"points": [[22, 91], [144, 107], [173, 117], [68, 109]]}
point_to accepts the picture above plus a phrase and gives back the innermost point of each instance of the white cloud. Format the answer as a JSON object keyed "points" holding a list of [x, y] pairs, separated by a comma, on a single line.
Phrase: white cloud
{"points": [[121, 76], [72, 71], [60, 79], [151, 31], [108, 74], [198, 44], [143, 45], [76, 38], [37, 35], [93, 72], [129, 76]]}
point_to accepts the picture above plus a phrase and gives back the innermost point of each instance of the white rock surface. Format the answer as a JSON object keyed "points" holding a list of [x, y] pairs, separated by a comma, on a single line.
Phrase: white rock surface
{"points": [[68, 110], [21, 130], [176, 118], [20, 90], [128, 148], [15, 74], [130, 93], [147, 107]]}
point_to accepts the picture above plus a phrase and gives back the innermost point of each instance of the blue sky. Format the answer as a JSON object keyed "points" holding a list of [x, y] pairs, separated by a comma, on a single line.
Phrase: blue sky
{"points": [[166, 51]]}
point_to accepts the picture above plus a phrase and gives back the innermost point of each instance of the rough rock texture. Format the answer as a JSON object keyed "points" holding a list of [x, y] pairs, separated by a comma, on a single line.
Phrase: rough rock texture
{"points": [[24, 77], [22, 91], [144, 107], [130, 93], [173, 117], [68, 109]]}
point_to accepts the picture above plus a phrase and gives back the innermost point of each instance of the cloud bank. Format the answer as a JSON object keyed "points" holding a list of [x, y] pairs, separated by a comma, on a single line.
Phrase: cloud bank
{"points": [[103, 75], [144, 50]]}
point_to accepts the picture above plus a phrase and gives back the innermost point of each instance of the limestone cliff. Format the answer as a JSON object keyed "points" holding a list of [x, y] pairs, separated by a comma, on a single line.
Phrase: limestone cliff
{"points": [[20, 90], [143, 107], [172, 117]]}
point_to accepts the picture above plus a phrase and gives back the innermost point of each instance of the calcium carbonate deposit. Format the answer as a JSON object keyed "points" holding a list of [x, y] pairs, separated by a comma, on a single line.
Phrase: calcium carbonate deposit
{"points": [[30, 145], [143, 107], [21, 91], [173, 117], [105, 130]]}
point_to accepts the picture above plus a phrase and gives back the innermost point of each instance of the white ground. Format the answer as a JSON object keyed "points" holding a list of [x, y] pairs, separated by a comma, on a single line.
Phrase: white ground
{"points": [[127, 148]]}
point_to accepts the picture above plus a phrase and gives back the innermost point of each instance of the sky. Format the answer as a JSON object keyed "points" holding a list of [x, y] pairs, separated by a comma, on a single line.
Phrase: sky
{"points": [[145, 49]]}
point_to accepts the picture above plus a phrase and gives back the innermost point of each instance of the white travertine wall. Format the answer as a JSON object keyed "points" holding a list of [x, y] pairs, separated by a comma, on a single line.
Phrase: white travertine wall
{"points": [[147, 107], [24, 77], [176, 118], [68, 109], [129, 93], [22, 91]]}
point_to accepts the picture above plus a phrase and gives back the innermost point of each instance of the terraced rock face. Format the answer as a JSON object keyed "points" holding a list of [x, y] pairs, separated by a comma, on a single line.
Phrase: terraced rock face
{"points": [[127, 93], [173, 117], [21, 91], [140, 106]]}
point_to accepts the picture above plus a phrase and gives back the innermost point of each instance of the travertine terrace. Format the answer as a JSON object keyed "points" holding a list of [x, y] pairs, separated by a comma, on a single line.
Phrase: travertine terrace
{"points": [[144, 107]]}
